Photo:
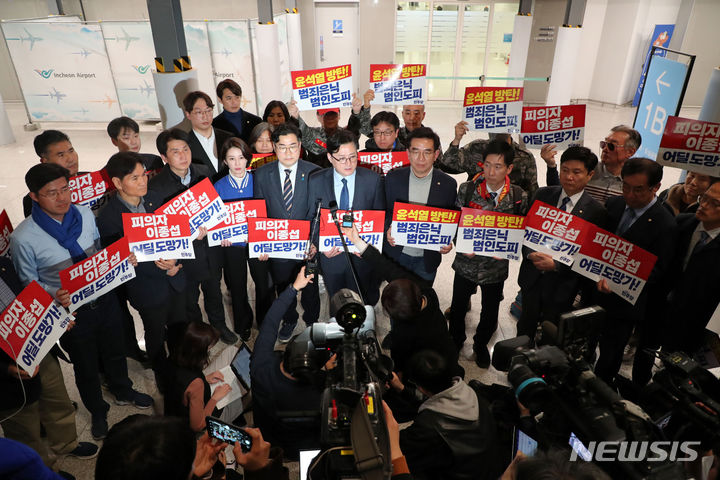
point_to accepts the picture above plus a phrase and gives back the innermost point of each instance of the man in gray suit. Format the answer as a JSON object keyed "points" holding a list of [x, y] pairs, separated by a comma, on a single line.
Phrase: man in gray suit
{"points": [[284, 186]]}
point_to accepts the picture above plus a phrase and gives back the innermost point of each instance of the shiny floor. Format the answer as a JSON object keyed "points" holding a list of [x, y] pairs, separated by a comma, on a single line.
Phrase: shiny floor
{"points": [[94, 148]]}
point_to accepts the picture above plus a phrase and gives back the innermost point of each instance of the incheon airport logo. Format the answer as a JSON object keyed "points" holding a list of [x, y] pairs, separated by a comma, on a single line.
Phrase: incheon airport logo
{"points": [[44, 73], [141, 69]]}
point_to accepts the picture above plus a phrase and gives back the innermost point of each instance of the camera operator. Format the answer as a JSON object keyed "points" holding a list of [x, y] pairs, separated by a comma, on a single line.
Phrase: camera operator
{"points": [[275, 390], [552, 464]]}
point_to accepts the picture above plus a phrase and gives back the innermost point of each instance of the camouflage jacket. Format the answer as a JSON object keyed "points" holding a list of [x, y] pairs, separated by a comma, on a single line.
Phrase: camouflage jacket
{"points": [[311, 134], [486, 270], [465, 159]]}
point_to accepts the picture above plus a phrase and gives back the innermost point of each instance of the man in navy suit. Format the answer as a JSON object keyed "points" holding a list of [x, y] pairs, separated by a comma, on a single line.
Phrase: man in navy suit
{"points": [[354, 189], [549, 288], [234, 119], [204, 140], [638, 217], [284, 186], [419, 183]]}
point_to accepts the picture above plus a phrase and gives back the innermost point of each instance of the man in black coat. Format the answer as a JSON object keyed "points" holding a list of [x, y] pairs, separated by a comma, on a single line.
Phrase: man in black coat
{"points": [[178, 175], [548, 287], [234, 119], [204, 140], [641, 219], [422, 184]]}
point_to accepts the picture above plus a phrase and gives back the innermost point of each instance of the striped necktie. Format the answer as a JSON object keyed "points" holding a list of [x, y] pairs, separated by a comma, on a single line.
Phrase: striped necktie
{"points": [[288, 191]]}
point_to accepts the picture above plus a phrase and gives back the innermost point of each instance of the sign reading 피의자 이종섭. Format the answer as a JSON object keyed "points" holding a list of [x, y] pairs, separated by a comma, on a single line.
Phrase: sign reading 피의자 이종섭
{"points": [[90, 189], [623, 265], [200, 203], [398, 84], [420, 226], [158, 236], [383, 162], [562, 126], [235, 227], [31, 325], [278, 238], [490, 234], [691, 145], [95, 276], [554, 231], [6, 229], [369, 223], [322, 88], [493, 109]]}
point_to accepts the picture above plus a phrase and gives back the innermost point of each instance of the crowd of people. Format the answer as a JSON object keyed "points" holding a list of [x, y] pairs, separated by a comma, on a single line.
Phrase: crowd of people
{"points": [[453, 433]]}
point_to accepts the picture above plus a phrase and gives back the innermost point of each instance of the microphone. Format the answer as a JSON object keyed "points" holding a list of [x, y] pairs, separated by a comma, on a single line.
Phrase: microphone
{"points": [[333, 210], [311, 264]]}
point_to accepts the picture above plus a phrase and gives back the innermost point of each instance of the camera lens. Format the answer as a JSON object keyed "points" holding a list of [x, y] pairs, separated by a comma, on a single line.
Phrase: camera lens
{"points": [[530, 390]]}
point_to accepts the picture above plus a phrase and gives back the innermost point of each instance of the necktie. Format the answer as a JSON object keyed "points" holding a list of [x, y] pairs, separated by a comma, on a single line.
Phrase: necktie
{"points": [[344, 196], [287, 191], [704, 237], [626, 221], [563, 204], [493, 196]]}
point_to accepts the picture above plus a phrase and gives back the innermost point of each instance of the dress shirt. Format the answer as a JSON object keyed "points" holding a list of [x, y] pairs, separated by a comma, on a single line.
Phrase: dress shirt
{"points": [[208, 145], [574, 199], [293, 174], [338, 185]]}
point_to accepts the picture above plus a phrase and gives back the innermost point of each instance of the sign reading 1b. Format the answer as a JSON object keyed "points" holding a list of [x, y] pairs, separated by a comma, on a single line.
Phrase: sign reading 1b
{"points": [[660, 99]]}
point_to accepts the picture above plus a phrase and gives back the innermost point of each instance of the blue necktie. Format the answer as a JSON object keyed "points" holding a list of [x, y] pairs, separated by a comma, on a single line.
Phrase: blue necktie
{"points": [[344, 196], [626, 221], [287, 191], [563, 204], [704, 237]]}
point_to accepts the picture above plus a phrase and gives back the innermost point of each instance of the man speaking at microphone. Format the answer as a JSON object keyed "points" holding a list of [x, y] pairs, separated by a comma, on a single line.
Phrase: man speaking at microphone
{"points": [[351, 189]]}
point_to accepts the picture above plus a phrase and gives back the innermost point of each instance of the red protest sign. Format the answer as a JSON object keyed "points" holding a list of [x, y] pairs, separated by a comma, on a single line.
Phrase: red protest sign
{"points": [[235, 228], [89, 189], [420, 226], [158, 236], [200, 203], [383, 162], [370, 224], [560, 125], [691, 144], [493, 109], [6, 229], [278, 238], [554, 231], [490, 234], [95, 276], [31, 325], [260, 159]]}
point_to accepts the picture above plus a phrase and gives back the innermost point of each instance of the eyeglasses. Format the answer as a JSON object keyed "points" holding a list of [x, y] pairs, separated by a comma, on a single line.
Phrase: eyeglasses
{"points": [[704, 198], [203, 113], [287, 148], [427, 154], [610, 146], [345, 159], [54, 194], [384, 133]]}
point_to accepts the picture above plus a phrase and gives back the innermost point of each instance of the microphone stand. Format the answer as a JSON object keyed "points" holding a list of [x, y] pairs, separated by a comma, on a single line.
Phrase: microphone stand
{"points": [[333, 213]]}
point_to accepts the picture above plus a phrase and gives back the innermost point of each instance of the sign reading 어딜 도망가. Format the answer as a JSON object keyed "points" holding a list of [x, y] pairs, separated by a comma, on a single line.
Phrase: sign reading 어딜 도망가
{"points": [[93, 277], [382, 162], [158, 236], [369, 223], [561, 126], [493, 109], [322, 88], [625, 266], [401, 84], [419, 226], [6, 229], [90, 189], [235, 228], [31, 325], [200, 203], [691, 145], [278, 238], [554, 231], [490, 234]]}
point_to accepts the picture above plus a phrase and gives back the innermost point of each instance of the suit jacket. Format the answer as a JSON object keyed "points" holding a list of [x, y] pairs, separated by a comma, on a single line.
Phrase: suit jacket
{"points": [[248, 120], [199, 156], [566, 281], [695, 294], [443, 193], [152, 286], [267, 185]]}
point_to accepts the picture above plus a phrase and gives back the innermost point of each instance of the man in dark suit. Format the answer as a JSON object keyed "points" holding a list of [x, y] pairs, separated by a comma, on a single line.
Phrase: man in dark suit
{"points": [[695, 274], [638, 217], [548, 288], [419, 183], [234, 119], [204, 140], [284, 186], [179, 174], [354, 189]]}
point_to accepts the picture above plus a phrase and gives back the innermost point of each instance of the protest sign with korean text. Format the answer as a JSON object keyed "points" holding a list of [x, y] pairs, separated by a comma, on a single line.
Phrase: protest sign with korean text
{"points": [[369, 223], [260, 159], [419, 226], [90, 189], [278, 238], [691, 145], [561, 126], [382, 162], [493, 109], [201, 204], [6, 229], [322, 88], [235, 228], [625, 266], [400, 84], [554, 231], [154, 237], [95, 276], [31, 325], [490, 234]]}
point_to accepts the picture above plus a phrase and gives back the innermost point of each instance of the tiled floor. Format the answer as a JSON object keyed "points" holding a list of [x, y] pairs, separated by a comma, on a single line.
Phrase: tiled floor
{"points": [[94, 148]]}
